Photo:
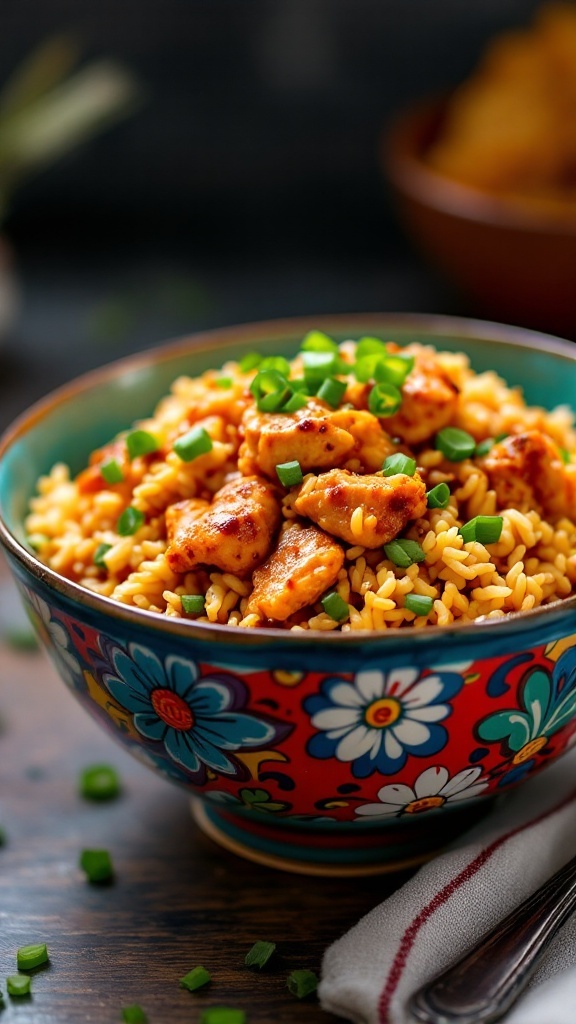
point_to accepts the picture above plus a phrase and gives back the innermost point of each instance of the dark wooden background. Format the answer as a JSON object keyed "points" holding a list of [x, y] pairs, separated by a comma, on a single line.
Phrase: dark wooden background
{"points": [[178, 900]]}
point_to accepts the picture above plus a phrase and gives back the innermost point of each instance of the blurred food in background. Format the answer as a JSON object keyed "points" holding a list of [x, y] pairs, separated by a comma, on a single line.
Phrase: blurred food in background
{"points": [[511, 127], [485, 178]]}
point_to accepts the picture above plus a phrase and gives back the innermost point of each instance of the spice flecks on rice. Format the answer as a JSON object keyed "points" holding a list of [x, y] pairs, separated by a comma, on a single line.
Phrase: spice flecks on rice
{"points": [[218, 525]]}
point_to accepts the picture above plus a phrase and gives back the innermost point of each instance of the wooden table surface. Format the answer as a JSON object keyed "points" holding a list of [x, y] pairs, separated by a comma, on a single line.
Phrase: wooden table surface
{"points": [[177, 901]]}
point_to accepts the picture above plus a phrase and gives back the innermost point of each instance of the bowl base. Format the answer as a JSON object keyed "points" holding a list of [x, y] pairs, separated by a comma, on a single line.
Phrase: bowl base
{"points": [[335, 852]]}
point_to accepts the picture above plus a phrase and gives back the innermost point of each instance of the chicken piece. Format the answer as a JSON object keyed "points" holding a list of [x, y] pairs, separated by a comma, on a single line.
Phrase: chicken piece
{"points": [[368, 510], [308, 435], [305, 563], [234, 532], [371, 442], [526, 471], [429, 400]]}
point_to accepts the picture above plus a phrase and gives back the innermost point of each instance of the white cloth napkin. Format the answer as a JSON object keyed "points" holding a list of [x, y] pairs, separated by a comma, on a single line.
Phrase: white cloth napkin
{"points": [[369, 974]]}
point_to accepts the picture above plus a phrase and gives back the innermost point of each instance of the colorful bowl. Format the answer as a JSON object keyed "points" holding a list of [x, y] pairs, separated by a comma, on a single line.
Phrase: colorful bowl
{"points": [[514, 261], [270, 730]]}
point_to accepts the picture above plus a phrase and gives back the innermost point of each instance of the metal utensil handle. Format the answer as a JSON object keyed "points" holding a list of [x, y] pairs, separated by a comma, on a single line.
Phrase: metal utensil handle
{"points": [[482, 986]]}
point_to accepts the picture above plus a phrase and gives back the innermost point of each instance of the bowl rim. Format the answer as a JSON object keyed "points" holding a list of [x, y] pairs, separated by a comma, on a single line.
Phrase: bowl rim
{"points": [[221, 337], [410, 175]]}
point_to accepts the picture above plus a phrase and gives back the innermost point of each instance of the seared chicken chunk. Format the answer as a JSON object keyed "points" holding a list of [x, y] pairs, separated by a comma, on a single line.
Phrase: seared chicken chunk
{"points": [[429, 400], [308, 435], [367, 510], [234, 532], [305, 563], [527, 470], [371, 442]]}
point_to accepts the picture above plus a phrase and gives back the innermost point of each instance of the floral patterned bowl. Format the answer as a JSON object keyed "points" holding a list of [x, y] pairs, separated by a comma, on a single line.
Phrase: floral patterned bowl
{"points": [[326, 753]]}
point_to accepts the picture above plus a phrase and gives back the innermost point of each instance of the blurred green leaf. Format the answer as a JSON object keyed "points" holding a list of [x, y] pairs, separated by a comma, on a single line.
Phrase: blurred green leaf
{"points": [[47, 65]]}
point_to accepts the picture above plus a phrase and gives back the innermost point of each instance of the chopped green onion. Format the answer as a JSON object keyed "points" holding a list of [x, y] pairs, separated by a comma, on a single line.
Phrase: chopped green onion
{"points": [[99, 782], [18, 984], [393, 369], [130, 521], [193, 604], [439, 496], [317, 341], [484, 447], [419, 604], [195, 978], [134, 1015], [299, 384], [455, 444], [97, 865], [399, 463], [404, 552], [302, 983], [369, 347], [289, 473], [318, 366], [484, 529], [223, 382], [141, 442], [28, 957], [565, 456], [365, 368], [278, 363], [260, 954], [271, 390], [295, 402], [111, 470], [222, 1015], [193, 443], [335, 607], [249, 362], [332, 391], [99, 555], [384, 400]]}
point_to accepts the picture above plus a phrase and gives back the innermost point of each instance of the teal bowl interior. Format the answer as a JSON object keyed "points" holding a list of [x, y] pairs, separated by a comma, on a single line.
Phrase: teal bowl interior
{"points": [[70, 423]]}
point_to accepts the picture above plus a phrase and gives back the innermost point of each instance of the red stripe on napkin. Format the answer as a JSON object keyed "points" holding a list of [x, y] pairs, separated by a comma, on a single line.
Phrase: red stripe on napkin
{"points": [[410, 935]]}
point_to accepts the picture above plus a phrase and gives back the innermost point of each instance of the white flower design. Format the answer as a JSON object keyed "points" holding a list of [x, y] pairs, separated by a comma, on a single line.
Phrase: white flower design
{"points": [[433, 788], [56, 639]]}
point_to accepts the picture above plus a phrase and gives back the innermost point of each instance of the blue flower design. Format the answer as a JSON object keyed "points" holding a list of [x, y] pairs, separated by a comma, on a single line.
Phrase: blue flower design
{"points": [[377, 720], [198, 720]]}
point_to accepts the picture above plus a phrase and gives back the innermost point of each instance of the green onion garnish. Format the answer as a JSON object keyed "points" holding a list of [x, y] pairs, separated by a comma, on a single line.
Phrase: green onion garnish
{"points": [[565, 456], [393, 369], [223, 382], [439, 496], [370, 347], [484, 529], [260, 954], [365, 368], [195, 978], [384, 400], [455, 444], [399, 463], [332, 391], [335, 607], [134, 1015], [317, 341], [418, 604], [99, 782], [295, 402], [112, 471], [249, 362], [302, 983], [97, 865], [271, 390], [99, 555], [223, 1015], [289, 473], [278, 363], [403, 552], [28, 957], [130, 521], [140, 442], [193, 443], [318, 366], [18, 984], [484, 447], [193, 604]]}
